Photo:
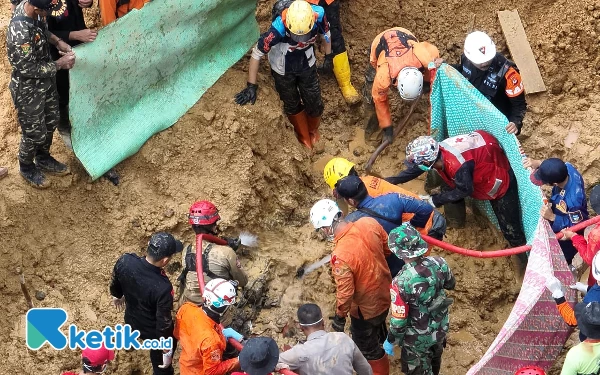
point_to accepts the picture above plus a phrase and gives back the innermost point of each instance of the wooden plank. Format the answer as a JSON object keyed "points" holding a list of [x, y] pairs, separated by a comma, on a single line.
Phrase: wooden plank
{"points": [[520, 51]]}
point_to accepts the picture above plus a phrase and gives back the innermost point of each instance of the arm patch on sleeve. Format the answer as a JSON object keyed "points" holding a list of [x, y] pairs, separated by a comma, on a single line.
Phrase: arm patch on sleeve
{"points": [[514, 83], [399, 307]]}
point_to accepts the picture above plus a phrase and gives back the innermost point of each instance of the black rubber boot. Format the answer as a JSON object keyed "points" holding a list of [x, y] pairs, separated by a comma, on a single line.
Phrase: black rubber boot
{"points": [[64, 127], [33, 176], [50, 165]]}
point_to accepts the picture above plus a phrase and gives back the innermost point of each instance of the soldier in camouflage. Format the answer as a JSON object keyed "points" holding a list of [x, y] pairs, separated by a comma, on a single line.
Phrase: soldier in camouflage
{"points": [[33, 86], [419, 321]]}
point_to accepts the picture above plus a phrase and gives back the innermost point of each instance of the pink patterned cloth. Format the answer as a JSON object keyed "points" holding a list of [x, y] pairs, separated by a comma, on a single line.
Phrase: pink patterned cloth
{"points": [[534, 333]]}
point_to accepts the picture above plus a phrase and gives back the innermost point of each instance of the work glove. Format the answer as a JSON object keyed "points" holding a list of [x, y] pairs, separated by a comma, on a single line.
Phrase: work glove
{"points": [[338, 323], [580, 287], [247, 95], [327, 66], [167, 359], [230, 332], [388, 134], [388, 347], [119, 303], [281, 366], [233, 243], [555, 287]]}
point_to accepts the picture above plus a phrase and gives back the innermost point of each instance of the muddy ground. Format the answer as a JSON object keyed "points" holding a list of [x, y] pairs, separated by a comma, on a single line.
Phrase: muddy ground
{"points": [[248, 162]]}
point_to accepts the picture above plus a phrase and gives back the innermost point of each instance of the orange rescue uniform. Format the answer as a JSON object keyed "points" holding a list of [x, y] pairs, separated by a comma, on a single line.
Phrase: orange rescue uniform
{"points": [[361, 274], [202, 343], [392, 51], [376, 187], [110, 10]]}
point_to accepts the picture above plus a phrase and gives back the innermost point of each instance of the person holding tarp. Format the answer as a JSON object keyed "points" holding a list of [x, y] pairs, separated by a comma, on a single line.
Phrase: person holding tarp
{"points": [[337, 60], [567, 205], [389, 211], [471, 165], [289, 42], [496, 77], [33, 86], [397, 58], [110, 10], [587, 247], [591, 295]]}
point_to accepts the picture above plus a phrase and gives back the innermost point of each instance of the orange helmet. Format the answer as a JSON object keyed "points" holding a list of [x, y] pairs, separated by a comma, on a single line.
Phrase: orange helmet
{"points": [[203, 213]]}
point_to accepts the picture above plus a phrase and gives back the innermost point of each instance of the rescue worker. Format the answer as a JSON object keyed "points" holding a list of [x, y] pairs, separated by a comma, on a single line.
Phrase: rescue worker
{"points": [[361, 276], [584, 358], [110, 10], [419, 321], [33, 86], [71, 28], [323, 353], [591, 295], [471, 165], [397, 58], [258, 357], [337, 60], [200, 334], [218, 261], [289, 43], [388, 210], [94, 361], [141, 286], [338, 168], [567, 205], [587, 248], [496, 77]]}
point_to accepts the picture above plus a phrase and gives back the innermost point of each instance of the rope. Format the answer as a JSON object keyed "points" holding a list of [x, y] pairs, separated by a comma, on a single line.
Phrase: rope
{"points": [[503, 252]]}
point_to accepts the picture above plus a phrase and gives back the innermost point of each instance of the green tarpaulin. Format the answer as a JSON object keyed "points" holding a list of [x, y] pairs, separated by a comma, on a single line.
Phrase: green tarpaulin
{"points": [[145, 70]]}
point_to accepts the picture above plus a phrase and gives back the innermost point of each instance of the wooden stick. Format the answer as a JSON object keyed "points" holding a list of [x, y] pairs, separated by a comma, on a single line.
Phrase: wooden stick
{"points": [[24, 288], [386, 143]]}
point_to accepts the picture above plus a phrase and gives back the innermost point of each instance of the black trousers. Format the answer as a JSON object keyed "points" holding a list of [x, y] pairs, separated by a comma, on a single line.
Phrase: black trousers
{"points": [[332, 12], [508, 211], [300, 91], [156, 358], [369, 335]]}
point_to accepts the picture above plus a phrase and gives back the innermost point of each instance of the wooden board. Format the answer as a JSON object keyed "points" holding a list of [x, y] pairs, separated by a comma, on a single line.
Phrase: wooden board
{"points": [[520, 51]]}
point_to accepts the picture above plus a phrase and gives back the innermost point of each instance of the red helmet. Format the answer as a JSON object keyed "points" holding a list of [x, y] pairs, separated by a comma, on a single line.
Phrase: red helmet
{"points": [[203, 213], [530, 370]]}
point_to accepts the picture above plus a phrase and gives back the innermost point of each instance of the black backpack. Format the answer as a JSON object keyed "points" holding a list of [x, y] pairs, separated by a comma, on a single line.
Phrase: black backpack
{"points": [[279, 7]]}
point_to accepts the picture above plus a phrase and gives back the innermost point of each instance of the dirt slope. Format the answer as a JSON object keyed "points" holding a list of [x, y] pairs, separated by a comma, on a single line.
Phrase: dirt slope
{"points": [[247, 161]]}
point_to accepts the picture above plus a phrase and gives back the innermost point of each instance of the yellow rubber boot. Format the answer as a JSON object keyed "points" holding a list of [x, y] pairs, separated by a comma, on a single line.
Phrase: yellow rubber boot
{"points": [[341, 69]]}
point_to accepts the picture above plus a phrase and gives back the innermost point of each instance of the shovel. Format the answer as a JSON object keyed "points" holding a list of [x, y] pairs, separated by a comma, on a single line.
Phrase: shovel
{"points": [[303, 271]]}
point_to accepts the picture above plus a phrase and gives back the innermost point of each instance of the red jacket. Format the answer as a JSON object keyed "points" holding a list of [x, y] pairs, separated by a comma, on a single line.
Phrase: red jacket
{"points": [[587, 249], [490, 175]]}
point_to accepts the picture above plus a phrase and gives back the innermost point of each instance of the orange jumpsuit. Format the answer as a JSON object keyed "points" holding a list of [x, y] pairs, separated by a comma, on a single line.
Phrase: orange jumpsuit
{"points": [[110, 10], [202, 343], [377, 186], [361, 274], [391, 51]]}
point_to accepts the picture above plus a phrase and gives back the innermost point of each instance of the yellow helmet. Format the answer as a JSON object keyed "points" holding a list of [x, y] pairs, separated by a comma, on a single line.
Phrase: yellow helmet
{"points": [[335, 170], [300, 20]]}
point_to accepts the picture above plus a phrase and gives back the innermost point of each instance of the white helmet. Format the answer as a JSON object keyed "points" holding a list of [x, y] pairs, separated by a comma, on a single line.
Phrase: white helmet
{"points": [[596, 266], [219, 293], [323, 213], [479, 47], [410, 83]]}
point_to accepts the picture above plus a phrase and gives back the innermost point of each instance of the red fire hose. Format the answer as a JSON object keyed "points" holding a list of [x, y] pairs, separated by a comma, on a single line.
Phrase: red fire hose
{"points": [[200, 273], [504, 252]]}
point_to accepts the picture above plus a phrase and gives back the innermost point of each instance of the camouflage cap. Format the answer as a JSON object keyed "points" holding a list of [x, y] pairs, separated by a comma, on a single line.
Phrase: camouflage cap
{"points": [[406, 242]]}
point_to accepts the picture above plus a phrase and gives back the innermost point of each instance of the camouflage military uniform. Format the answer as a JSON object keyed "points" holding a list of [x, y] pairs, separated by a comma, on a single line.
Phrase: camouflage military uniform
{"points": [[32, 84], [419, 321]]}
